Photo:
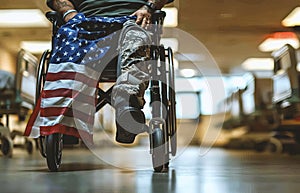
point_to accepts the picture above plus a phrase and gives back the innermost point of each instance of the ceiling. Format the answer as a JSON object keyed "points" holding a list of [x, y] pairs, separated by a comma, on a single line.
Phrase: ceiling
{"points": [[230, 30]]}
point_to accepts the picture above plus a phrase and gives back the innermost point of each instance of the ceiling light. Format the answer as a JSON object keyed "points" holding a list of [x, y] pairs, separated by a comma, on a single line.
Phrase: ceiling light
{"points": [[171, 19], [35, 47], [23, 18], [277, 40], [258, 64], [188, 73], [293, 19]]}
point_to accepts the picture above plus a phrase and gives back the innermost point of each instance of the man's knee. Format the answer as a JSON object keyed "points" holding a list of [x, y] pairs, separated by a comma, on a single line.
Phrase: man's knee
{"points": [[134, 45]]}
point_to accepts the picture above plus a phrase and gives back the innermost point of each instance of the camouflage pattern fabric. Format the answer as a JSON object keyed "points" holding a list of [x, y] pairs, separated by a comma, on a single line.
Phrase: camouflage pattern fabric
{"points": [[134, 60]]}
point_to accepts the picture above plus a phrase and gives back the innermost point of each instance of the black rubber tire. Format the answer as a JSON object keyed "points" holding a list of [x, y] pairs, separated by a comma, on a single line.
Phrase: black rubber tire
{"points": [[172, 109], [29, 146], [41, 73], [54, 145], [42, 145], [6, 146], [158, 153]]}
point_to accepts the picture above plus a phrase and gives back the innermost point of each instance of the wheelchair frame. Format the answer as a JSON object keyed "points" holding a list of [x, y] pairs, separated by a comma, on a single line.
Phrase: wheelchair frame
{"points": [[162, 126]]}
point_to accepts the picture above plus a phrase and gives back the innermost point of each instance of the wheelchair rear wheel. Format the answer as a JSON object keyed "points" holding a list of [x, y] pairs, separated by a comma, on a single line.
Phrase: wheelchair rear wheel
{"points": [[41, 73], [54, 146], [41, 78], [172, 104], [42, 146]]}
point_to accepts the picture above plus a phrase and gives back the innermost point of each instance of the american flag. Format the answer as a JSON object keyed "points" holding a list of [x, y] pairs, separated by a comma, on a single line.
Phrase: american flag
{"points": [[81, 49]]}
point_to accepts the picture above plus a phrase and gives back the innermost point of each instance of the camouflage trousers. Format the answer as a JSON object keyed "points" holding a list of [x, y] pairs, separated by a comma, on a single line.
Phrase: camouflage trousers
{"points": [[134, 62]]}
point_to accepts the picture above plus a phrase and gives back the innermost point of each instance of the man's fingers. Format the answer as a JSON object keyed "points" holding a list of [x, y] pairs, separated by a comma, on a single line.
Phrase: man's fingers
{"points": [[144, 22], [139, 20], [143, 17]]}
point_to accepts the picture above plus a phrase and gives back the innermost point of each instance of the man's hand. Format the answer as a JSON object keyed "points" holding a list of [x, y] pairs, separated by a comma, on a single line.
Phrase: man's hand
{"points": [[143, 16]]}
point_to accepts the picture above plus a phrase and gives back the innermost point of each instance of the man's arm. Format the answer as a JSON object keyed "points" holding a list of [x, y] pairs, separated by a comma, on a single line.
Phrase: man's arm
{"points": [[64, 7]]}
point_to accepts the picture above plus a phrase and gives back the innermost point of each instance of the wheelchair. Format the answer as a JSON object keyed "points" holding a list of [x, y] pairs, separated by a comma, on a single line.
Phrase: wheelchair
{"points": [[162, 125]]}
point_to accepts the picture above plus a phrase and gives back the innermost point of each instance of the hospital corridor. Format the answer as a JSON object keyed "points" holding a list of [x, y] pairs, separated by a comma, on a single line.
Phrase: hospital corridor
{"points": [[179, 96]]}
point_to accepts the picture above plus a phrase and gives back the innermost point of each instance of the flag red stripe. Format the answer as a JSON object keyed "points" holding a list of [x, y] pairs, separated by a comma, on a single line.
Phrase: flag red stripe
{"points": [[62, 92], [32, 118], [69, 112], [71, 76], [59, 128]]}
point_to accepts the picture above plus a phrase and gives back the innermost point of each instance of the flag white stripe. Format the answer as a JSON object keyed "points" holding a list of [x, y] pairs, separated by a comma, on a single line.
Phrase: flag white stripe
{"points": [[67, 102], [73, 67], [35, 130], [70, 84]]}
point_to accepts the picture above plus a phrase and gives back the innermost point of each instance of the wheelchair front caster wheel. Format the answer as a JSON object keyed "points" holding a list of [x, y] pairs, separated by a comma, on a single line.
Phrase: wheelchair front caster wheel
{"points": [[54, 146], [159, 161]]}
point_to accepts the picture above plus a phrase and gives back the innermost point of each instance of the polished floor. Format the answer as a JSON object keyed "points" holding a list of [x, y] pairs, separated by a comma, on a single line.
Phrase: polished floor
{"points": [[195, 170]]}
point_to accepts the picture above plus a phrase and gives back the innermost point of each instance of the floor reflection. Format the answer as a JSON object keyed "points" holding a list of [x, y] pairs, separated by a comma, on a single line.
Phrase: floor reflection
{"points": [[219, 171]]}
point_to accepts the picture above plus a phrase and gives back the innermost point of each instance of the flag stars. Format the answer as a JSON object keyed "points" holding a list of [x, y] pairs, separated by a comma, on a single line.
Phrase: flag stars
{"points": [[72, 47]]}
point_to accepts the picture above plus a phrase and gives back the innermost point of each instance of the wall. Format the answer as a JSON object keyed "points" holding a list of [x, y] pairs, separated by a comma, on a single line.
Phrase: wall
{"points": [[7, 60]]}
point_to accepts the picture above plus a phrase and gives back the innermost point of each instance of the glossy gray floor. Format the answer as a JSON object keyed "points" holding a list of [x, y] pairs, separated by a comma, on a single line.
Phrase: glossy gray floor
{"points": [[193, 171]]}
